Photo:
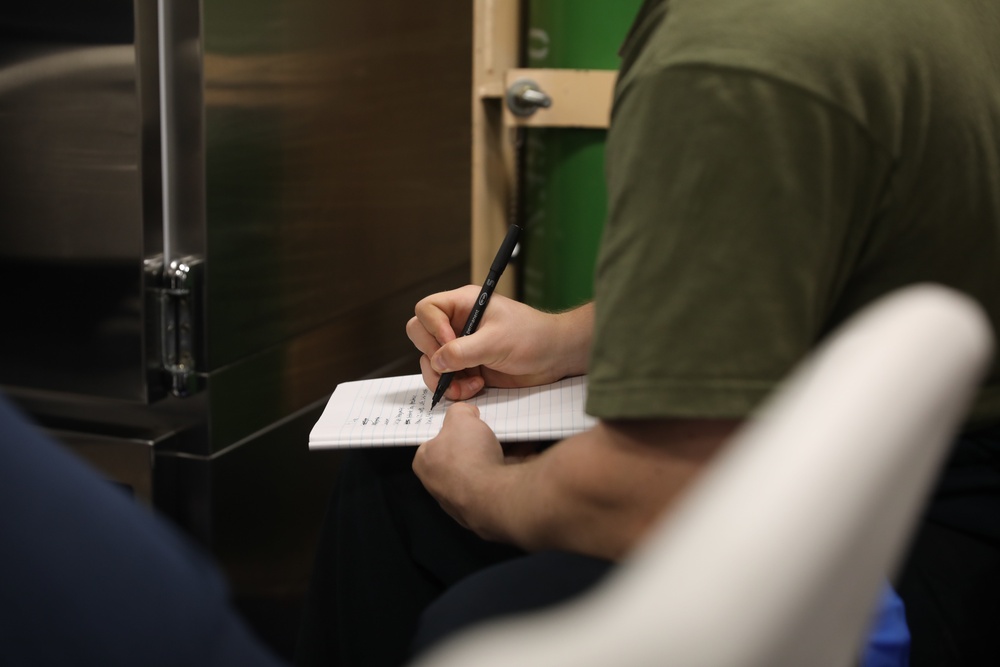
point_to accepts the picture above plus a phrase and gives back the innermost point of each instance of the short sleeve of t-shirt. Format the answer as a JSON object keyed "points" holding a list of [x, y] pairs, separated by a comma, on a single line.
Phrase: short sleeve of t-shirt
{"points": [[738, 208]]}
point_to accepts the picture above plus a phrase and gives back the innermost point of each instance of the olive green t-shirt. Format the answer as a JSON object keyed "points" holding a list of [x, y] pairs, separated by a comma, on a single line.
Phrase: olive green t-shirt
{"points": [[772, 167]]}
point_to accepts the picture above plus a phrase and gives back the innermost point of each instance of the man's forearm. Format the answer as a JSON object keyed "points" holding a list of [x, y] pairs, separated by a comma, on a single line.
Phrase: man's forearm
{"points": [[596, 493], [571, 340]]}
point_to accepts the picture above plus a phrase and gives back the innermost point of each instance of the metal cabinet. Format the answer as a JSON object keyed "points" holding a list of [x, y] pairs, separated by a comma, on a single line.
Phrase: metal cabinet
{"points": [[210, 214]]}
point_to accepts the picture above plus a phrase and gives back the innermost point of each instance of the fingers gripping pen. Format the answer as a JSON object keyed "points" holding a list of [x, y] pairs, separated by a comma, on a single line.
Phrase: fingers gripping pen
{"points": [[496, 270]]}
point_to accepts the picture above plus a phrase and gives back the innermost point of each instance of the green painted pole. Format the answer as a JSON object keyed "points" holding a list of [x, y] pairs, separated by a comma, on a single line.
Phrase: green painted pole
{"points": [[565, 201]]}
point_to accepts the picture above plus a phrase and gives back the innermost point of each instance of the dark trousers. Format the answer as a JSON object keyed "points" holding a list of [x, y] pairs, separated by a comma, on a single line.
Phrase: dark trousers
{"points": [[950, 580], [394, 573], [88, 577]]}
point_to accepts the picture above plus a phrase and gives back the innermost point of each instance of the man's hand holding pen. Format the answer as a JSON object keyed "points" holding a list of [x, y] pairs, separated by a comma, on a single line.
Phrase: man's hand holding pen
{"points": [[513, 347], [466, 347]]}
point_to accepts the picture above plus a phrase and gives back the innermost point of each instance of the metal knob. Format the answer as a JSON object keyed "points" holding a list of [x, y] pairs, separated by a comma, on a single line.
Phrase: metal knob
{"points": [[524, 98]]}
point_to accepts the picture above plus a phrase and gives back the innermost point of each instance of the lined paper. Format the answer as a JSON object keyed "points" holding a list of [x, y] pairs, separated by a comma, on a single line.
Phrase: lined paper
{"points": [[395, 411]]}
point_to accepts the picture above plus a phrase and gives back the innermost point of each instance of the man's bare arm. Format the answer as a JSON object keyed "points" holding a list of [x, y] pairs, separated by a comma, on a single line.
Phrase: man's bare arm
{"points": [[596, 493]]}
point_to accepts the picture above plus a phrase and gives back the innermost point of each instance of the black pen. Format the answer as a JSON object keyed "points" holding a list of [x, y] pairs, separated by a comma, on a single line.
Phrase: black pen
{"points": [[496, 270]]}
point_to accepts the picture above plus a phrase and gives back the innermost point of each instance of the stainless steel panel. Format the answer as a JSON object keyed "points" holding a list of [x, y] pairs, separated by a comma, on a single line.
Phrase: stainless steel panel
{"points": [[337, 147], [70, 120], [181, 124], [317, 166], [76, 198], [258, 506], [246, 396]]}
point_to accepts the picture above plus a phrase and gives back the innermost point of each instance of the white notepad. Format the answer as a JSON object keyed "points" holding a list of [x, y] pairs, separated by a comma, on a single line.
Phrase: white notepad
{"points": [[396, 411]]}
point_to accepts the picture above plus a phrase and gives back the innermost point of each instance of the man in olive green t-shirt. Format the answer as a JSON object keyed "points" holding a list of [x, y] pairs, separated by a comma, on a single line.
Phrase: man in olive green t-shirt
{"points": [[772, 167]]}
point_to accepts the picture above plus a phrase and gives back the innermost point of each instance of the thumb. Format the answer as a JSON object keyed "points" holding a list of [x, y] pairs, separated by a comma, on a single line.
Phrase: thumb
{"points": [[476, 349]]}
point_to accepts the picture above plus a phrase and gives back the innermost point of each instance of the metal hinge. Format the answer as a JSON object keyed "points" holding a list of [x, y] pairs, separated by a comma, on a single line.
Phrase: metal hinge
{"points": [[177, 289]]}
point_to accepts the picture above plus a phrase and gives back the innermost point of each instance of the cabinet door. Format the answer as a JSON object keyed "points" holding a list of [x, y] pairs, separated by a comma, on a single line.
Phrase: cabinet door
{"points": [[78, 195]]}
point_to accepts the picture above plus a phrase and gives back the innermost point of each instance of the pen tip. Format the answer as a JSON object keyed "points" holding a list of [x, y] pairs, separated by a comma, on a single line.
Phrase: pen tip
{"points": [[433, 403]]}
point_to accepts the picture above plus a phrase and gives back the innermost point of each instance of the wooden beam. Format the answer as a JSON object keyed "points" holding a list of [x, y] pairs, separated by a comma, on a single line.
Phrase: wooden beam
{"points": [[496, 27], [580, 98]]}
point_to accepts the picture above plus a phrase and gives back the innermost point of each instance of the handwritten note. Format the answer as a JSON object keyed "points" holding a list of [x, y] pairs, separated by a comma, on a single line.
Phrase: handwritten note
{"points": [[396, 411]]}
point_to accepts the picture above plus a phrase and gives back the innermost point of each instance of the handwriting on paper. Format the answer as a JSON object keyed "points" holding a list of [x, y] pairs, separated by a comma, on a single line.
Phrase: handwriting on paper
{"points": [[415, 411]]}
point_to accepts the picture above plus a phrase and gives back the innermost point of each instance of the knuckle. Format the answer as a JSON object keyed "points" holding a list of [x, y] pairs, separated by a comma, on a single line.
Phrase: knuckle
{"points": [[413, 328], [420, 459], [455, 352]]}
